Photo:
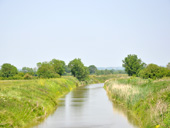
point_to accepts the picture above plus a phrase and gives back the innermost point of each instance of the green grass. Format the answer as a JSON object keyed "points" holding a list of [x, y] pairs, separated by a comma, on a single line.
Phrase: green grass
{"points": [[24, 102], [148, 100]]}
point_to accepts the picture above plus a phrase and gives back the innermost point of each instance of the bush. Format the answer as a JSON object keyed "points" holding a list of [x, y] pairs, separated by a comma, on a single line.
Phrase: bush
{"points": [[27, 76], [153, 71], [57, 75], [16, 77], [168, 73]]}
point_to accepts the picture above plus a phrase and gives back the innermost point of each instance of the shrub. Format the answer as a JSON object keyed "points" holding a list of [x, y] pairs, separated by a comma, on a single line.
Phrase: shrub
{"points": [[16, 77], [153, 71], [168, 73], [27, 76]]}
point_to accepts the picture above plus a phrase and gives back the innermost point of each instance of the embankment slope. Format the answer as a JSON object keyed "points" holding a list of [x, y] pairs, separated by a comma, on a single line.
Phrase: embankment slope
{"points": [[147, 100]]}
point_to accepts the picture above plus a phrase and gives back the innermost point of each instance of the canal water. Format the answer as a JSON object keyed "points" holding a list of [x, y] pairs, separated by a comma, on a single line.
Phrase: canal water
{"points": [[87, 107]]}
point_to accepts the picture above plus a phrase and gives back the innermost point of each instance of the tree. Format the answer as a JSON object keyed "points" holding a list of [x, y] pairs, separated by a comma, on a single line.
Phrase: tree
{"points": [[92, 69], [168, 65], [78, 69], [58, 65], [45, 70], [8, 70], [132, 65], [28, 70]]}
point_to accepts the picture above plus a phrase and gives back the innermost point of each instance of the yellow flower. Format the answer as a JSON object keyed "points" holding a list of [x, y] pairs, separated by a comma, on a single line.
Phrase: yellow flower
{"points": [[157, 126]]}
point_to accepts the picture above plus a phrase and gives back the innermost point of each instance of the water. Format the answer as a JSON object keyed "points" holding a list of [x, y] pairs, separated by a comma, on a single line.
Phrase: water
{"points": [[87, 107]]}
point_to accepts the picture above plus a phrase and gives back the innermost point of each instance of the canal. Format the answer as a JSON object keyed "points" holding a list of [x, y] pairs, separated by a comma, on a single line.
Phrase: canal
{"points": [[86, 107]]}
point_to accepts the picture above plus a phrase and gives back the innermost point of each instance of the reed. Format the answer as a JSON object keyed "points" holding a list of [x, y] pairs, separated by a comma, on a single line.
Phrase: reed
{"points": [[148, 100]]}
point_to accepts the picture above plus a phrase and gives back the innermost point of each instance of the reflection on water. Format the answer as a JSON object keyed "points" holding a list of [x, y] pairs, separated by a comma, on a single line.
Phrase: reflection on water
{"points": [[86, 107], [117, 108]]}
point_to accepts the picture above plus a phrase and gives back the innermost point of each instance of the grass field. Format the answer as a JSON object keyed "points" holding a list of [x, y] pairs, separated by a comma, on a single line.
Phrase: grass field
{"points": [[148, 100]]}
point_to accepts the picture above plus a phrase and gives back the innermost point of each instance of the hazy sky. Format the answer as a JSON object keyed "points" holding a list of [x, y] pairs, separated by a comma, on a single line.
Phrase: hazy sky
{"points": [[100, 32]]}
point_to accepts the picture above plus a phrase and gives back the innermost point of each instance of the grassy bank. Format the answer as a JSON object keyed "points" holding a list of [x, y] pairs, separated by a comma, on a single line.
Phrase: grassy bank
{"points": [[24, 102], [148, 100]]}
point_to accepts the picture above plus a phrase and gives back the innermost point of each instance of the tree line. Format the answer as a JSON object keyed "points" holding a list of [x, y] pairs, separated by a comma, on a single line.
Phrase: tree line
{"points": [[54, 69], [135, 67], [57, 68]]}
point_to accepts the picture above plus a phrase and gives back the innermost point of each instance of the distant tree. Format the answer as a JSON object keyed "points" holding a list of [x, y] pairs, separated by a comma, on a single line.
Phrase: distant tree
{"points": [[59, 66], [92, 69], [28, 70], [153, 71], [39, 64], [78, 69], [8, 70], [168, 65], [132, 65], [67, 69], [45, 70]]}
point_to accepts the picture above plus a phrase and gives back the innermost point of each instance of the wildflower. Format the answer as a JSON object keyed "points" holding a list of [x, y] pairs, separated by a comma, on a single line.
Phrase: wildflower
{"points": [[157, 126]]}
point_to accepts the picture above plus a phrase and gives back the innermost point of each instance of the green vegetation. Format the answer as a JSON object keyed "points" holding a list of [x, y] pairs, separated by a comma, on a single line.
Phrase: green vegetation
{"points": [[153, 71], [92, 79], [92, 69], [59, 66], [109, 72], [24, 102], [27, 70], [46, 70], [8, 70], [78, 69], [133, 65], [54, 69], [147, 99]]}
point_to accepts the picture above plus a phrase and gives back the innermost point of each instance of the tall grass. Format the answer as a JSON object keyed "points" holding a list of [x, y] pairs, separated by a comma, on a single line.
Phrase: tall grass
{"points": [[24, 102], [148, 100]]}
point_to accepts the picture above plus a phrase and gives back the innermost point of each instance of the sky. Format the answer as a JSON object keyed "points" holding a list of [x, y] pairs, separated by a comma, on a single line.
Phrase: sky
{"points": [[100, 32]]}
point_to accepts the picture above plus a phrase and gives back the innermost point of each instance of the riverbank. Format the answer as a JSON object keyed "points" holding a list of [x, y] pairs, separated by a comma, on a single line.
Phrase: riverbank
{"points": [[24, 102], [147, 100]]}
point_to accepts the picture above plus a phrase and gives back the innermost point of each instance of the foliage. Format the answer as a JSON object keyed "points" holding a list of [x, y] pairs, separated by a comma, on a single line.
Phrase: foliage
{"points": [[67, 69], [132, 65], [168, 73], [27, 76], [92, 69], [59, 66], [153, 71], [8, 70], [28, 70], [78, 69], [16, 77], [45, 70]]}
